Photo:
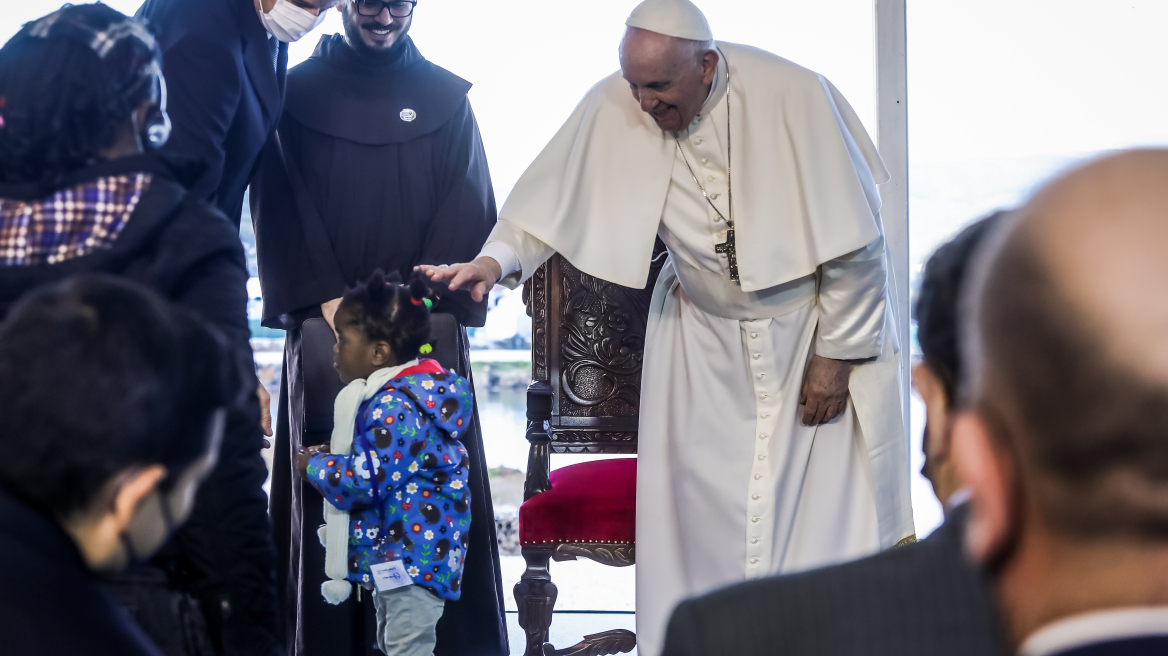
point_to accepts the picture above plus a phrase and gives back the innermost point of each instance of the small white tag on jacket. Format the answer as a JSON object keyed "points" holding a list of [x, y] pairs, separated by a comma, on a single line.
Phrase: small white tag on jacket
{"points": [[390, 576]]}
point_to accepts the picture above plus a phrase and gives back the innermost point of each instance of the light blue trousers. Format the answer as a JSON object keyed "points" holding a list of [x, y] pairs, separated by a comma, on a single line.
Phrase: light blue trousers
{"points": [[406, 618]]}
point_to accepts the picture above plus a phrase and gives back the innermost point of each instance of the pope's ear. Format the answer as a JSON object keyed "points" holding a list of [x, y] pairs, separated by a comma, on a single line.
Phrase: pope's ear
{"points": [[987, 471], [709, 65]]}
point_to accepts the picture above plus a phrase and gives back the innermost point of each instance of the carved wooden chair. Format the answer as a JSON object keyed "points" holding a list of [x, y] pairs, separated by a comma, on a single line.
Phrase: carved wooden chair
{"points": [[588, 340]]}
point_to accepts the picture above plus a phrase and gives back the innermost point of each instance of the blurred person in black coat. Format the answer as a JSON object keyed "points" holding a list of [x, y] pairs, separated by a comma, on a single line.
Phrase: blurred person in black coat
{"points": [[114, 404], [79, 193], [378, 164], [919, 600]]}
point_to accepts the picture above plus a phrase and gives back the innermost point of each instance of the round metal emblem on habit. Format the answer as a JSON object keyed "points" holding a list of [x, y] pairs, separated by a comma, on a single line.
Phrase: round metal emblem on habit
{"points": [[408, 115]]}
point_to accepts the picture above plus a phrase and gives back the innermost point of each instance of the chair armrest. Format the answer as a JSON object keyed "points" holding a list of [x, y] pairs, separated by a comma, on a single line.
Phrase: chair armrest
{"points": [[539, 413]]}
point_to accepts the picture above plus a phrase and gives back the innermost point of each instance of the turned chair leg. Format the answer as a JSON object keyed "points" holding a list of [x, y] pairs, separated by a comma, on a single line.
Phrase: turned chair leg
{"points": [[535, 595]]}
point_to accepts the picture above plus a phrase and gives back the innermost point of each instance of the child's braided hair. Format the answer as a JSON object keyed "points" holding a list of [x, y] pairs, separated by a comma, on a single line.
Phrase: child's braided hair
{"points": [[386, 310]]}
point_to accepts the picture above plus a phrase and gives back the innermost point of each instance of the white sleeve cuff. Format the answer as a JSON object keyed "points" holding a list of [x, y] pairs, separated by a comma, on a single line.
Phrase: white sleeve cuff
{"points": [[501, 253]]}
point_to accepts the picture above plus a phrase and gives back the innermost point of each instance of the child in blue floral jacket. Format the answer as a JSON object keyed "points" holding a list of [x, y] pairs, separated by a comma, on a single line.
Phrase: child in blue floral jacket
{"points": [[396, 476]]}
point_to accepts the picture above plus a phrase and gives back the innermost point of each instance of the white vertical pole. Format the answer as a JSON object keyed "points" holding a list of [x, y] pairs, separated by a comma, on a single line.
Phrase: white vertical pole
{"points": [[892, 140]]}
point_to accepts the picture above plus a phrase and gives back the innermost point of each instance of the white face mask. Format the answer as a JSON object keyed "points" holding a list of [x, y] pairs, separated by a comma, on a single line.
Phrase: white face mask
{"points": [[289, 23]]}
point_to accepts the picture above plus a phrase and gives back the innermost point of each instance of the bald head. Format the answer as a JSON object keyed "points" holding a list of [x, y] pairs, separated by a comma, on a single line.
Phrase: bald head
{"points": [[1069, 356], [1103, 230], [669, 77]]}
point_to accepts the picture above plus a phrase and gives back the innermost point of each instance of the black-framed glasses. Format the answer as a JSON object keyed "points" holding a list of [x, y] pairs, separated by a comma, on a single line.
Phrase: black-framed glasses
{"points": [[397, 8]]}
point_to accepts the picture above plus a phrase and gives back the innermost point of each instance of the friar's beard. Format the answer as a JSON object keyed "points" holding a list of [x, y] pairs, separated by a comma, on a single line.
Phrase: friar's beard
{"points": [[354, 38]]}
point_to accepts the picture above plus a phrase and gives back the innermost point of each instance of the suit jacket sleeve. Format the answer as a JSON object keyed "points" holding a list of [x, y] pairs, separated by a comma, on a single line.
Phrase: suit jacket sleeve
{"points": [[466, 212]]}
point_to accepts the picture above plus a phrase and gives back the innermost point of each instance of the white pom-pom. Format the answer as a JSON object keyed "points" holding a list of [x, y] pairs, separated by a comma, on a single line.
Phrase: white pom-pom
{"points": [[336, 591]]}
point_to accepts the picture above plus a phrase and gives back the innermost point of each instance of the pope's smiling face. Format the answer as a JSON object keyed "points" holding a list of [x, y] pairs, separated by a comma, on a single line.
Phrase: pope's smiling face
{"points": [[669, 77]]}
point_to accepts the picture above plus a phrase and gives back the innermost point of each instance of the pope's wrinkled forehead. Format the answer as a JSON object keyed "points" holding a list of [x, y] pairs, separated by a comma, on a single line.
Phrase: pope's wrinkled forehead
{"points": [[1101, 232], [645, 51]]}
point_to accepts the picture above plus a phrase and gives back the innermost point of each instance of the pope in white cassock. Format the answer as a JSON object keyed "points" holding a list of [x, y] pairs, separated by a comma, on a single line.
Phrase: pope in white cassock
{"points": [[771, 435]]}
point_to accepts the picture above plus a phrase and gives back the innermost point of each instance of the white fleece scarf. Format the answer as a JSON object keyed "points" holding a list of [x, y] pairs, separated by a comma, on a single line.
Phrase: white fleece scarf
{"points": [[336, 529]]}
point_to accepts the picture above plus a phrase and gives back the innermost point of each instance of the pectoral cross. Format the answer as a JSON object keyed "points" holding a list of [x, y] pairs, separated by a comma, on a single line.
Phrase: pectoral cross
{"points": [[727, 248]]}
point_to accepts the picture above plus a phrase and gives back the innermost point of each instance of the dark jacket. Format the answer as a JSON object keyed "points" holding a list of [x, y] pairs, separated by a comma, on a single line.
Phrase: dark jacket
{"points": [[190, 254], [1133, 646], [225, 88], [924, 599], [49, 601]]}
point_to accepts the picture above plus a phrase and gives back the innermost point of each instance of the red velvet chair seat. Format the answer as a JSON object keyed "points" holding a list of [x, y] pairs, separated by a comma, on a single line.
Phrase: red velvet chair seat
{"points": [[589, 502]]}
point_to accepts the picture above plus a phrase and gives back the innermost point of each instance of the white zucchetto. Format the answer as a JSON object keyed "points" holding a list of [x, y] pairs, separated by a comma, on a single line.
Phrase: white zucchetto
{"points": [[676, 18]]}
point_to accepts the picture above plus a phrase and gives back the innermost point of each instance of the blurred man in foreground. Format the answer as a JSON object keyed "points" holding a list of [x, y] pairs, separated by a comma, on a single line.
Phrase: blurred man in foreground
{"points": [[114, 405], [1065, 446]]}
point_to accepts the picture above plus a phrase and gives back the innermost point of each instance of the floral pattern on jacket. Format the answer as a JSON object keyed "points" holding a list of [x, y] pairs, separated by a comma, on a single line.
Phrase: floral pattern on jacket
{"points": [[407, 459]]}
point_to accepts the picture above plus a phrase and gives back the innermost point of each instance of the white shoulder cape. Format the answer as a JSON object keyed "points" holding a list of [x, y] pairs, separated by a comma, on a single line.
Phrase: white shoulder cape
{"points": [[804, 173]]}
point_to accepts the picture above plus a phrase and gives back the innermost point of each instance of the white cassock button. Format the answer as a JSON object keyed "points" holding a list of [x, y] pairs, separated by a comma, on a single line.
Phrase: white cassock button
{"points": [[705, 160], [754, 540], [715, 196], [753, 561], [755, 497], [710, 178], [762, 456], [762, 436], [698, 141], [765, 415], [757, 356], [761, 376], [717, 219], [763, 396], [754, 335], [756, 519], [757, 477]]}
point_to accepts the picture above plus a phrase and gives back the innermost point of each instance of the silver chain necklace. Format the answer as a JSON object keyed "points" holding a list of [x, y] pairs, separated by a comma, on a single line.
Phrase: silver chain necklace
{"points": [[726, 247]]}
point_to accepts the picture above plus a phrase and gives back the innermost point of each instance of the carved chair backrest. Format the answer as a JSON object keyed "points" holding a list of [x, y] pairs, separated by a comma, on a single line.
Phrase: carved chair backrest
{"points": [[588, 342]]}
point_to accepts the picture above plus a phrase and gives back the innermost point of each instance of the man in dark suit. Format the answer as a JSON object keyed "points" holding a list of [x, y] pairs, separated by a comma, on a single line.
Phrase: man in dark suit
{"points": [[923, 599], [225, 77], [1064, 447]]}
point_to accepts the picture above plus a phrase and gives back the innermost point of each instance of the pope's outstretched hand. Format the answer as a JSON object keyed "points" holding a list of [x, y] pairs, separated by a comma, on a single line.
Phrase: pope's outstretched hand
{"points": [[478, 277]]}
